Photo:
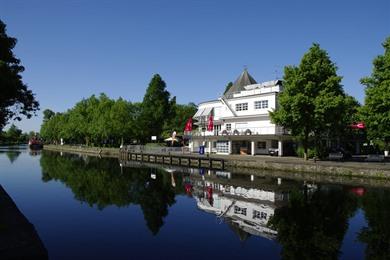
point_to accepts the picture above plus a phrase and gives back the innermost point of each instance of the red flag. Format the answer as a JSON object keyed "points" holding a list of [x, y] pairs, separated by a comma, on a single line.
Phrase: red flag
{"points": [[188, 127], [210, 124]]}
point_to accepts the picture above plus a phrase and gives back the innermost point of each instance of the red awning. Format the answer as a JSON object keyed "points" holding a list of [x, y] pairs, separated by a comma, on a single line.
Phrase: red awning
{"points": [[358, 125]]}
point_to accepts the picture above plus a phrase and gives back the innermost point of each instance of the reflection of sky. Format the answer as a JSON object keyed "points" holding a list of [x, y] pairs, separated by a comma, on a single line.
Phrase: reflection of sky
{"points": [[72, 228], [353, 249]]}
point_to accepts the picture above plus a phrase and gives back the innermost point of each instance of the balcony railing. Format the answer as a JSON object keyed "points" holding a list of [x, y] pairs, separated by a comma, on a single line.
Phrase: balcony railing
{"points": [[269, 130]]}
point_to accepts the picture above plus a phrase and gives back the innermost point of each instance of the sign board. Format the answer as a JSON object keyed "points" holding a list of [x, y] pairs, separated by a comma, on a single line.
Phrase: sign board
{"points": [[154, 138]]}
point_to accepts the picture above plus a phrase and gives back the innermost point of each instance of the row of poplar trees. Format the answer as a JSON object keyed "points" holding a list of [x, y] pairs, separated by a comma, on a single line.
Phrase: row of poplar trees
{"points": [[102, 121], [314, 106]]}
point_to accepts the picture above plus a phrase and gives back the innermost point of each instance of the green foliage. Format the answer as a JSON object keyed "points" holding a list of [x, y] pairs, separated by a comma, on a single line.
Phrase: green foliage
{"points": [[313, 103], [15, 99], [157, 108], [101, 121], [181, 114], [376, 110], [14, 135], [47, 114], [228, 86], [310, 152]]}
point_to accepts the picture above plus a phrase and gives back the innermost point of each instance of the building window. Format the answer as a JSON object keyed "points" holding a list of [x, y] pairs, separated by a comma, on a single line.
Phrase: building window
{"points": [[261, 145], [238, 210], [241, 106], [222, 146], [228, 127], [259, 215], [261, 104]]}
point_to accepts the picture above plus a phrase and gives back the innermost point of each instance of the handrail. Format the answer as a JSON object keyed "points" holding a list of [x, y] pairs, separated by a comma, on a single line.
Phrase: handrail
{"points": [[267, 130]]}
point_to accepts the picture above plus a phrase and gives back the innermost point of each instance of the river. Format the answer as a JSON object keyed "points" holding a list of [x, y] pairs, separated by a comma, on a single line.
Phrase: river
{"points": [[97, 208]]}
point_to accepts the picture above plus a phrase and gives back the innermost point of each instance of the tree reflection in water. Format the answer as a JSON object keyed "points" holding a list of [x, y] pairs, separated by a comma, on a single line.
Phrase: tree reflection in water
{"points": [[12, 155], [100, 182], [376, 205], [313, 224]]}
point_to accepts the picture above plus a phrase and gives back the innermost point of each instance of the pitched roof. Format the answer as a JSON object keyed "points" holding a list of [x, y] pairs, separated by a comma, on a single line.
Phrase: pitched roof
{"points": [[243, 80]]}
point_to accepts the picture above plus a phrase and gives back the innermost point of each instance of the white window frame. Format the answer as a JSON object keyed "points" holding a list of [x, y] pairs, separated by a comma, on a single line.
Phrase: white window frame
{"points": [[242, 106], [261, 104]]}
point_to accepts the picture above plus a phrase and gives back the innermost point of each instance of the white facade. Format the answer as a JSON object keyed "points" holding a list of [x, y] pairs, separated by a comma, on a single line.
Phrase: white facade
{"points": [[241, 119]]}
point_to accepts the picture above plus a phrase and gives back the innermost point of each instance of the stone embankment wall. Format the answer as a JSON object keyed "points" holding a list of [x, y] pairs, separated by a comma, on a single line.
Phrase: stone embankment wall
{"points": [[347, 169], [242, 163], [102, 151]]}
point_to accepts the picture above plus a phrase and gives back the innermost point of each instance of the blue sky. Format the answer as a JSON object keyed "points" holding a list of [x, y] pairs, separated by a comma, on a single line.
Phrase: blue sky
{"points": [[73, 49]]}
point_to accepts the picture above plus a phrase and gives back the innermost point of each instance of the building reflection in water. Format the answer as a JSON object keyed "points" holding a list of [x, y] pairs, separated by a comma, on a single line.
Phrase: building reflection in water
{"points": [[246, 207]]}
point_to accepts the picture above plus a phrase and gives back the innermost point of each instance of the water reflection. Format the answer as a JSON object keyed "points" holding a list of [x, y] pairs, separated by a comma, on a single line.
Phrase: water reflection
{"points": [[101, 182], [245, 206], [308, 220], [376, 205], [314, 222], [12, 155], [12, 152]]}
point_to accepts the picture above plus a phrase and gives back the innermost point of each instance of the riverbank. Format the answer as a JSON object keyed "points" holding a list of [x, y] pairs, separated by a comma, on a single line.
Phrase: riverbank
{"points": [[240, 162], [99, 151], [18, 237]]}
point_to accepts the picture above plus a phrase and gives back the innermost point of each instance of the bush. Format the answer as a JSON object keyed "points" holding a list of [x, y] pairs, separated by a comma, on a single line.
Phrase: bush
{"points": [[311, 152]]}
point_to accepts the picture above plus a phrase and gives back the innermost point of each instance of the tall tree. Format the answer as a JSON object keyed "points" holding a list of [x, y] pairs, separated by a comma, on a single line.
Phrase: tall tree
{"points": [[47, 114], [156, 108], [313, 103], [13, 134], [228, 86], [180, 116], [15, 99], [376, 110]]}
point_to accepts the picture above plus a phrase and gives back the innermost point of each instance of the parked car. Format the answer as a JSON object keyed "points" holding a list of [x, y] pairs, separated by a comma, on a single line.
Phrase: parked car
{"points": [[273, 151]]}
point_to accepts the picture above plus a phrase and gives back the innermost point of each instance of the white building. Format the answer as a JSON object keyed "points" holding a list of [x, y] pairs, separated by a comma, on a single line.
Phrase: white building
{"points": [[241, 120]]}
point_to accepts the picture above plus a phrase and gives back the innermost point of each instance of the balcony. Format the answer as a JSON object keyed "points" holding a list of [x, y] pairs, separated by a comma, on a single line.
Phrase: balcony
{"points": [[269, 130]]}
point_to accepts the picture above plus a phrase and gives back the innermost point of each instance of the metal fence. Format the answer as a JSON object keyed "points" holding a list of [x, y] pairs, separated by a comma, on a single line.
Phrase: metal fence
{"points": [[268, 130]]}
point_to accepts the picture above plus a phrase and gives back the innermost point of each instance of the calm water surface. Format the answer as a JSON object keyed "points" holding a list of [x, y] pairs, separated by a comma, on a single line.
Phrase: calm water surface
{"points": [[91, 208]]}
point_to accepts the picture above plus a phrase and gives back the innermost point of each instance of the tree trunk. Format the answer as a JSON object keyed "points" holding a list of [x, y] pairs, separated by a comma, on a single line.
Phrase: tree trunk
{"points": [[305, 146], [305, 153]]}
